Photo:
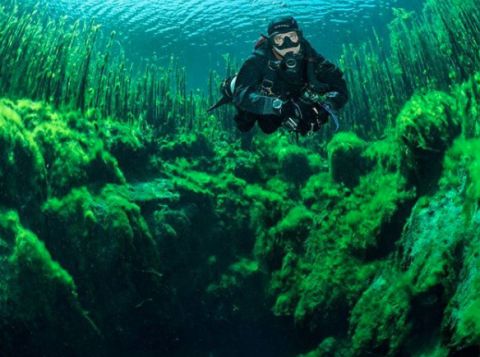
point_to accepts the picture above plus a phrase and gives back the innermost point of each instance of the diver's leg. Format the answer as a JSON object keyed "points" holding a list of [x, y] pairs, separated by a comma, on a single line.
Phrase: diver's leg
{"points": [[269, 123], [244, 121]]}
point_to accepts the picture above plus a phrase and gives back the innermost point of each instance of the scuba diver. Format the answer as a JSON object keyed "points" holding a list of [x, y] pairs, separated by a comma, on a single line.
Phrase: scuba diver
{"points": [[285, 82]]}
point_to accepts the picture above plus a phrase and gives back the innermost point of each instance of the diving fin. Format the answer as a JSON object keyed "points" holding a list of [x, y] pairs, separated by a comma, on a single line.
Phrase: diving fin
{"points": [[222, 101], [226, 88]]}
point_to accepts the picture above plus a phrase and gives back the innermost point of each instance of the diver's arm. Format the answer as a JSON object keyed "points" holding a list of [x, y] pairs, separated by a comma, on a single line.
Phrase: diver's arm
{"points": [[246, 95], [328, 73]]}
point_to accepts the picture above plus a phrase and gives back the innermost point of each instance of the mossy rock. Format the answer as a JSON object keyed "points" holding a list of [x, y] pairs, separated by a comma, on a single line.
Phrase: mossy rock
{"points": [[428, 123], [131, 144], [462, 168], [106, 246], [467, 96], [289, 235], [34, 113], [22, 169], [379, 322], [74, 159], [295, 165], [431, 243], [345, 158], [186, 145], [385, 154], [462, 316], [39, 302]]}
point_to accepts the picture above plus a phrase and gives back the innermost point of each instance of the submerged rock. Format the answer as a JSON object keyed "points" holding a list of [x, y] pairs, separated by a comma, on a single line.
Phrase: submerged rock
{"points": [[23, 176], [40, 311], [345, 158]]}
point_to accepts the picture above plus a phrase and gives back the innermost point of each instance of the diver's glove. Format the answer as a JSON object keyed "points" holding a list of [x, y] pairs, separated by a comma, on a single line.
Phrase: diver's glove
{"points": [[290, 112], [313, 116]]}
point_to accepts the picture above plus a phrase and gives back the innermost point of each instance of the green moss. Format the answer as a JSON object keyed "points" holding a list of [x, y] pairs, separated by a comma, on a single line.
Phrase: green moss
{"points": [[294, 164], [462, 169], [130, 143], [372, 208], [38, 297], [345, 159], [385, 154], [427, 123], [467, 96], [22, 169], [106, 245], [430, 244], [329, 347], [379, 321], [330, 287], [34, 113], [74, 159], [186, 145], [462, 315]]}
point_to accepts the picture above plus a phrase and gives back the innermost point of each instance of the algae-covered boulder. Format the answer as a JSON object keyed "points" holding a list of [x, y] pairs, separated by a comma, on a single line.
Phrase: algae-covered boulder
{"points": [[130, 143], [105, 244], [462, 169], [458, 229], [329, 347], [228, 295], [385, 154], [375, 213], [462, 316], [40, 313], [22, 169], [467, 96], [349, 231], [293, 163], [379, 322], [431, 241], [345, 158], [186, 145], [74, 159], [427, 123], [47, 148]]}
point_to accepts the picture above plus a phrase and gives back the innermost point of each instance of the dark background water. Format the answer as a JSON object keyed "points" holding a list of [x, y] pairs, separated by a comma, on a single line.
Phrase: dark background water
{"points": [[200, 33]]}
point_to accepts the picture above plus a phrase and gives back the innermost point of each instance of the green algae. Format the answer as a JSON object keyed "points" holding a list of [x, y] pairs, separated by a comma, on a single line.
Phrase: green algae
{"points": [[22, 167], [379, 321], [345, 158], [254, 241], [34, 288], [360, 246], [428, 122]]}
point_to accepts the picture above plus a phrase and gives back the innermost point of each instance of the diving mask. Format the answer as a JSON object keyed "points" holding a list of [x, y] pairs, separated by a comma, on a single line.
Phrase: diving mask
{"points": [[286, 40]]}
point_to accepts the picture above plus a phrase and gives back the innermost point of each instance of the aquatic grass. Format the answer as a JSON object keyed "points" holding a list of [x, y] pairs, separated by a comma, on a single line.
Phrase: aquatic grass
{"points": [[76, 65], [432, 50]]}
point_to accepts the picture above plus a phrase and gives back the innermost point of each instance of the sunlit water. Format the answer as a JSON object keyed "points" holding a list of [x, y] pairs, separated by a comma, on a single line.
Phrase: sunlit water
{"points": [[201, 32]]}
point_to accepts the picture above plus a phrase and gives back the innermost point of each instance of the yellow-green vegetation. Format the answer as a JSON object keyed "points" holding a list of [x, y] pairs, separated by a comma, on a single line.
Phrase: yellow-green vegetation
{"points": [[36, 291], [118, 231], [428, 122], [379, 322], [22, 168], [361, 257], [345, 158], [79, 66], [432, 50]]}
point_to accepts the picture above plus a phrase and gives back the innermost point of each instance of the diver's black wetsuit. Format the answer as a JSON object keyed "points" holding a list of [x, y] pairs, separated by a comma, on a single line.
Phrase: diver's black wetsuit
{"points": [[257, 86]]}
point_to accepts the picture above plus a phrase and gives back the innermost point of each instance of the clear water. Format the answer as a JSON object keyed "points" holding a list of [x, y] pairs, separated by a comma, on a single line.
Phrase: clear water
{"points": [[201, 32], [264, 246]]}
